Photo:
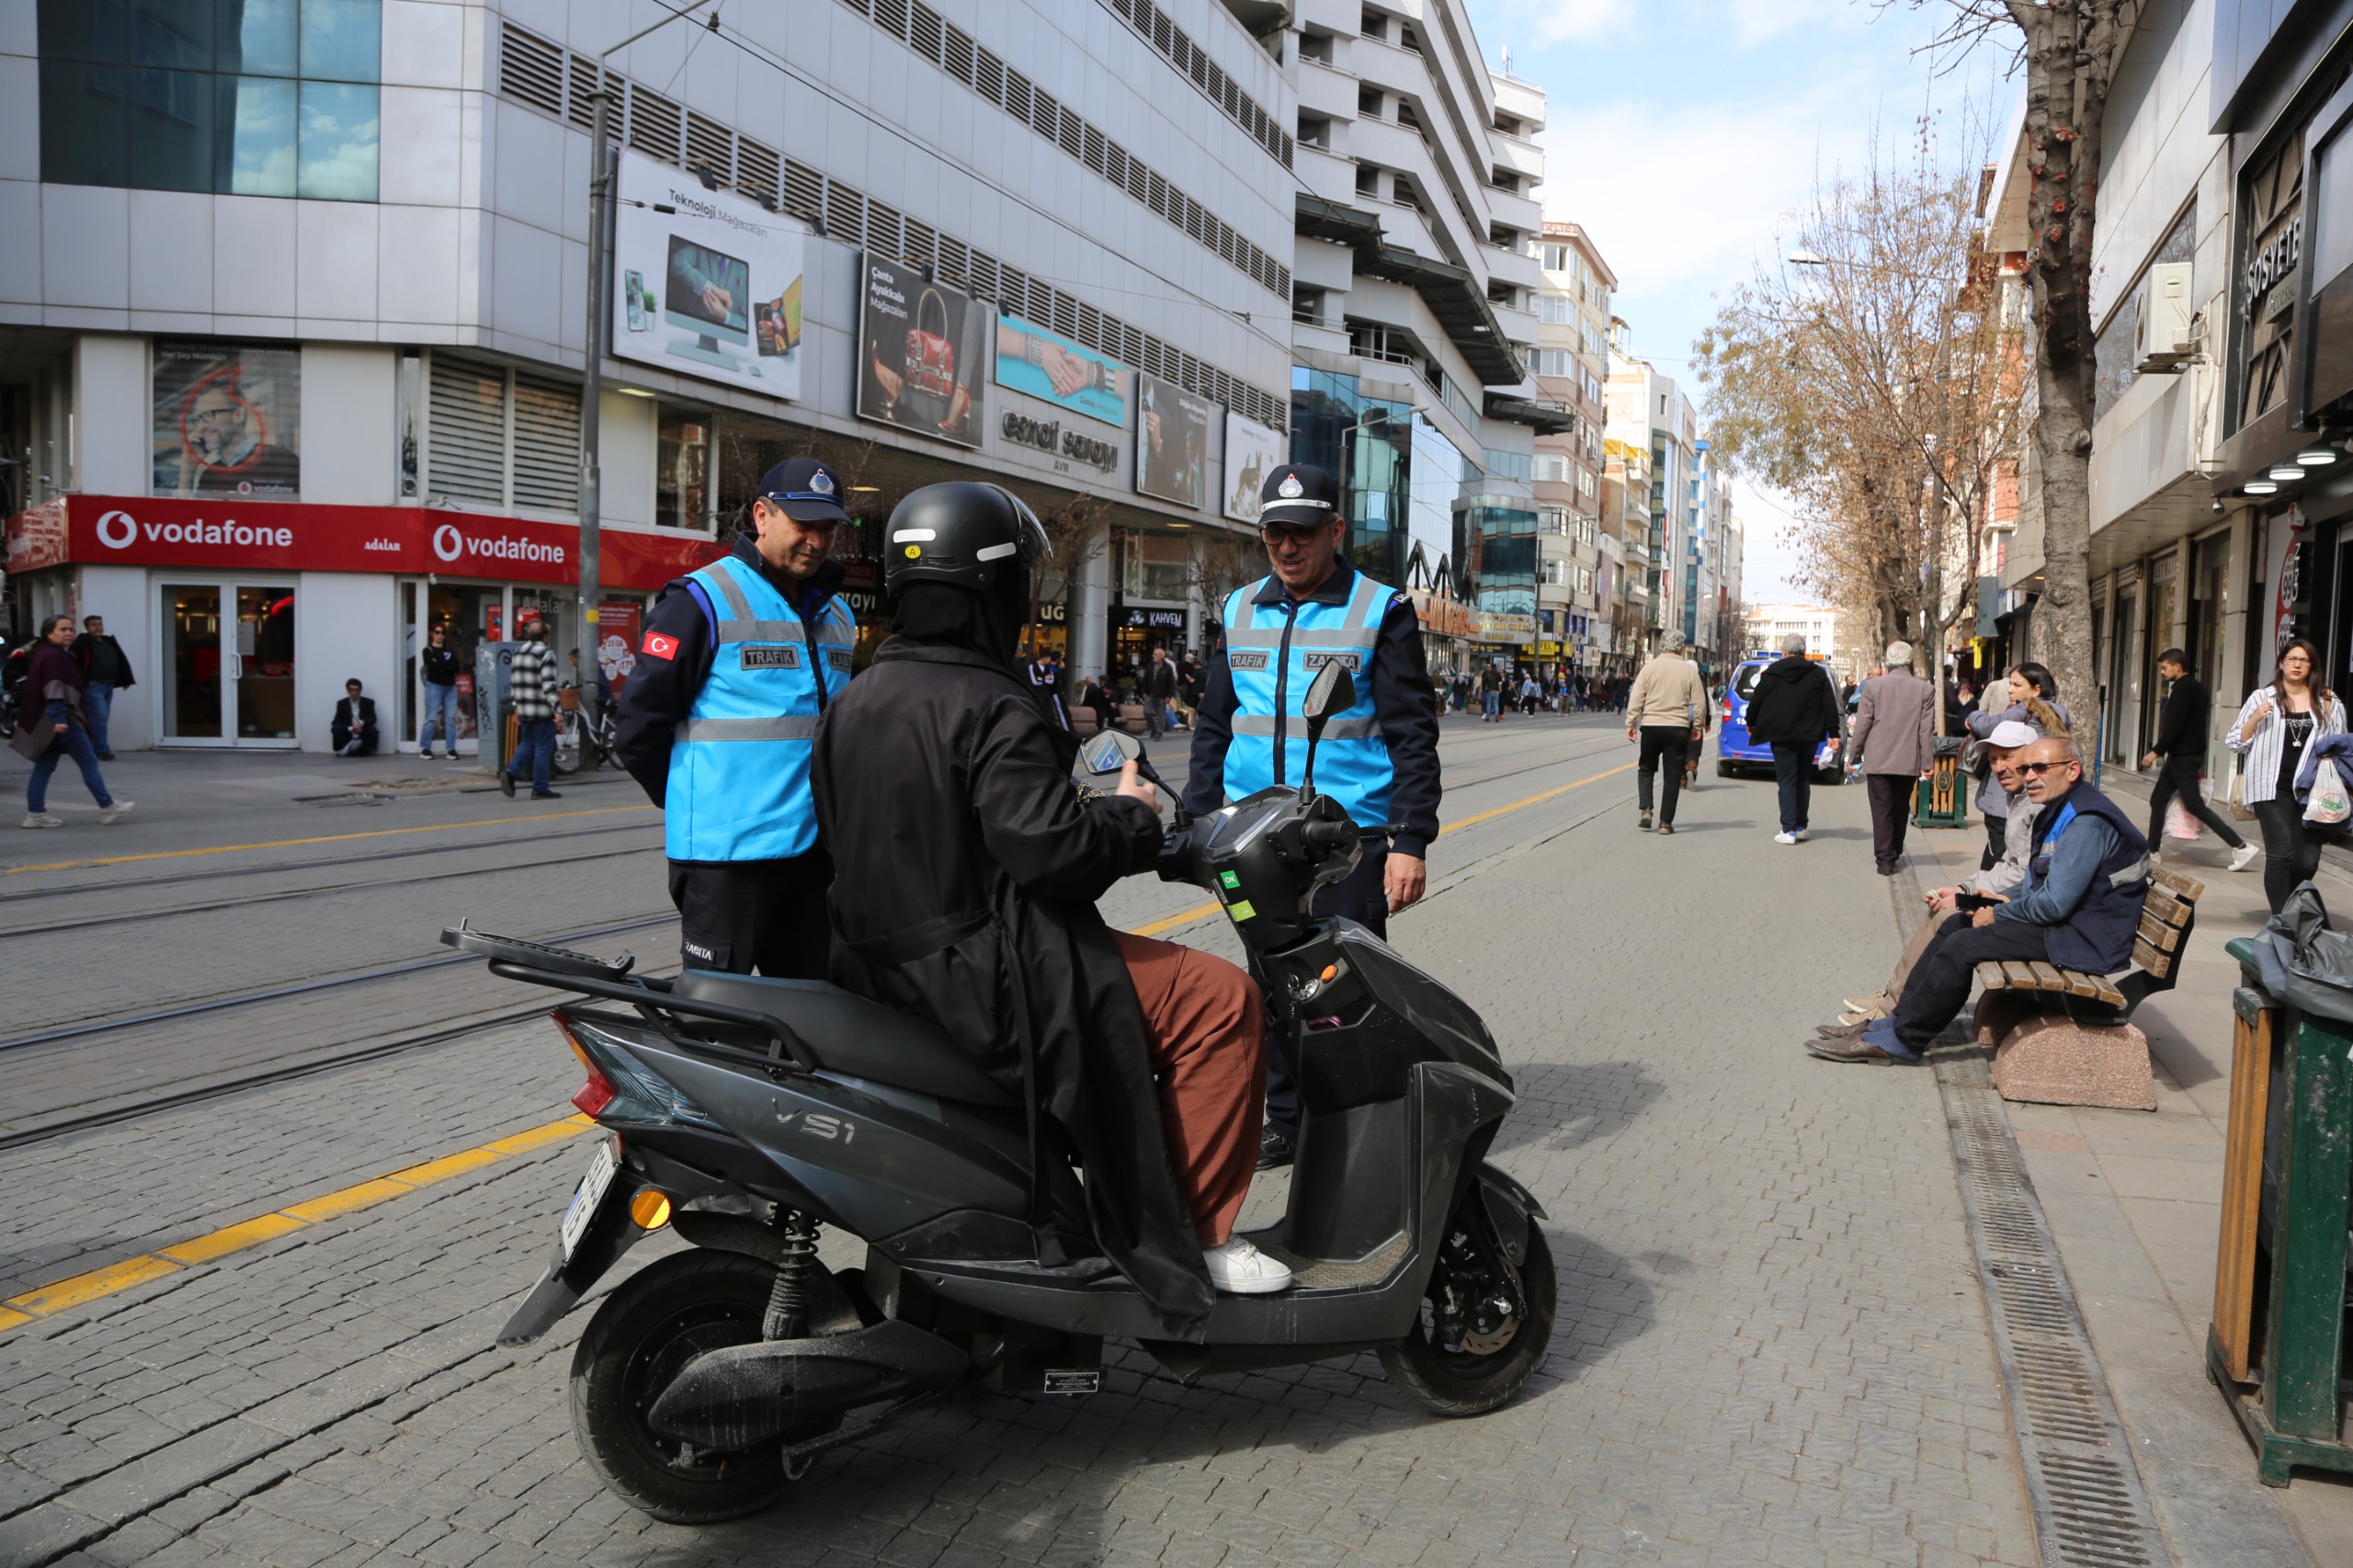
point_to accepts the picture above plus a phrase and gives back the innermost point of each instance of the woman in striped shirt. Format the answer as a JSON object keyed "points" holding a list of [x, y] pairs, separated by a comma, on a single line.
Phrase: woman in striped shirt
{"points": [[2270, 735]]}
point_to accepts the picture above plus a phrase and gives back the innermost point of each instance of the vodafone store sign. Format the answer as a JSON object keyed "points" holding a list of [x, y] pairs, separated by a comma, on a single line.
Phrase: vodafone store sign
{"points": [[239, 533]]}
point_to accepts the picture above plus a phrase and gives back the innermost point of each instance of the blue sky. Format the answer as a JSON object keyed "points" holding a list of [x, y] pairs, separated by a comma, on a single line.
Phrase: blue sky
{"points": [[1680, 131]]}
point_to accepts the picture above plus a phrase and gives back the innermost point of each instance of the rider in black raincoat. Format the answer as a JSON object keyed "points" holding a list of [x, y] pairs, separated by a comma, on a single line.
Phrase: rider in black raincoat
{"points": [[942, 784]]}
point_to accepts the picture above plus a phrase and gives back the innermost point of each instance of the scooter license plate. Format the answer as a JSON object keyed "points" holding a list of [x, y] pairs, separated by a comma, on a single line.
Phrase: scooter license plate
{"points": [[590, 1197]]}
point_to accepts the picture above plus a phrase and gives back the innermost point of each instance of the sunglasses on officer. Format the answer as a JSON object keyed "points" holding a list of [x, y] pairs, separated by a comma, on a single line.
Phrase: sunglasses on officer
{"points": [[1300, 534], [2039, 768]]}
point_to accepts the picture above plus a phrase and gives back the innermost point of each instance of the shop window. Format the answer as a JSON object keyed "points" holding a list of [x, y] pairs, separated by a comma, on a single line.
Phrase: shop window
{"points": [[265, 98], [501, 437], [1153, 567], [682, 470]]}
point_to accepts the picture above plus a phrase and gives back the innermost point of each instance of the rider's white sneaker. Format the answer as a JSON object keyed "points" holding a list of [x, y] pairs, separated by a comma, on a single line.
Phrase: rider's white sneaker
{"points": [[2243, 856], [1241, 1269]]}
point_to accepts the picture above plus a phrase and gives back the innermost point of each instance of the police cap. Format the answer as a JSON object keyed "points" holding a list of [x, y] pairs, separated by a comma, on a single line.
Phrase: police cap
{"points": [[1299, 495], [806, 491]]}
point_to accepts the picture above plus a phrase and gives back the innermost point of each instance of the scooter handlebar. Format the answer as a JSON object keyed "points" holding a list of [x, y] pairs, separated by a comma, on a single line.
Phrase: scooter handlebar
{"points": [[1329, 835]]}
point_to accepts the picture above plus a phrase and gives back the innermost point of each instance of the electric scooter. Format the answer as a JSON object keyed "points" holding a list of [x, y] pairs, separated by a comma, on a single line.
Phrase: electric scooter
{"points": [[741, 1113]]}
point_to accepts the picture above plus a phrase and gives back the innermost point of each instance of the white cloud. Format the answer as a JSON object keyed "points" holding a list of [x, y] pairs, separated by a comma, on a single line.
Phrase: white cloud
{"points": [[1539, 24]]}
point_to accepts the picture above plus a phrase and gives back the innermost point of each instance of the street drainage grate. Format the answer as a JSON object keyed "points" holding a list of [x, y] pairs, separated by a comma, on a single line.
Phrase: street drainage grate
{"points": [[2089, 1510]]}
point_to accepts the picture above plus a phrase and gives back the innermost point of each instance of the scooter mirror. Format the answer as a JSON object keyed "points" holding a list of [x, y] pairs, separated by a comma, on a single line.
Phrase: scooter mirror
{"points": [[1333, 690], [1110, 751]]}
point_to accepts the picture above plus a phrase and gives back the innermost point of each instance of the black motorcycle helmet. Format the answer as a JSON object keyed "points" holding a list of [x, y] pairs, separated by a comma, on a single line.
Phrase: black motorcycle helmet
{"points": [[961, 534]]}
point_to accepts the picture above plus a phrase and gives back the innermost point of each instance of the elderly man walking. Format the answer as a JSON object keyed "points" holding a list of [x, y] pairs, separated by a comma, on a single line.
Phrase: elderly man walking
{"points": [[1894, 748], [1667, 713]]}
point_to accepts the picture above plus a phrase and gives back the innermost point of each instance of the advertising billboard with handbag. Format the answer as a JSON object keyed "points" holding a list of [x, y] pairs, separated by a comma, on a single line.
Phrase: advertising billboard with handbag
{"points": [[921, 345], [706, 283]]}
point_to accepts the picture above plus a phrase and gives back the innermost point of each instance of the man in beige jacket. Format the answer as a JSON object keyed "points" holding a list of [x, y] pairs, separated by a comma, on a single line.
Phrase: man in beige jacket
{"points": [[1667, 711]]}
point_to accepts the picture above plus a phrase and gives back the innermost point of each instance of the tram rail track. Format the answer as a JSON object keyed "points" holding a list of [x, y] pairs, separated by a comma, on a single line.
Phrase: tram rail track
{"points": [[121, 1022], [10, 898], [333, 1055]]}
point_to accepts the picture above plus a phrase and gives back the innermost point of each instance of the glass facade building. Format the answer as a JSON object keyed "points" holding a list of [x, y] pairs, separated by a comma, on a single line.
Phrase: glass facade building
{"points": [[230, 97], [1367, 443]]}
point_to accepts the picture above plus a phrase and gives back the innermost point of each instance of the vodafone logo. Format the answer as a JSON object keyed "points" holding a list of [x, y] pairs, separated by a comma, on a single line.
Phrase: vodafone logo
{"points": [[447, 542], [120, 530]]}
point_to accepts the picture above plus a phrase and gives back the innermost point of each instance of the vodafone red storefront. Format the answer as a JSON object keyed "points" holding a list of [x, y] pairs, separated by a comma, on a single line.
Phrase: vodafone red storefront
{"points": [[243, 618]]}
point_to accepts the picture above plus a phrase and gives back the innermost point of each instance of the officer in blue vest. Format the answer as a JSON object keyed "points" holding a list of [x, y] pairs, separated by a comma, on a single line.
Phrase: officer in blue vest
{"points": [[1378, 759], [737, 664], [2079, 908]]}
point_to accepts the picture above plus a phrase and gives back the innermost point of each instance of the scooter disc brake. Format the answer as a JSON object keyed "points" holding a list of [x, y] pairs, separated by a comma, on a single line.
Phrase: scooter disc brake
{"points": [[1496, 1338]]}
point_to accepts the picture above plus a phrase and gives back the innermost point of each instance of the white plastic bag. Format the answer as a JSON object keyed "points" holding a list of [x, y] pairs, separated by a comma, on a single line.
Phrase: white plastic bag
{"points": [[2179, 823], [2329, 801]]}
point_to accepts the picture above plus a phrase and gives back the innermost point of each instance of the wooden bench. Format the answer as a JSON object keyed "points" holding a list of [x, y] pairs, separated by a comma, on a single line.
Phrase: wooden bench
{"points": [[2166, 920]]}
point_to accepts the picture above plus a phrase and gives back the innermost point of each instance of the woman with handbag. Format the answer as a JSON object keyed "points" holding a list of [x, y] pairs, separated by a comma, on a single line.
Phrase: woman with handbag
{"points": [[2031, 696], [51, 726], [2270, 735]]}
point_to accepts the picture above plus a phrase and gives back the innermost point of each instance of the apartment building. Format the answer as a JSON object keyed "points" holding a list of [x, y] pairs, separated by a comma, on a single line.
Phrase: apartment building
{"points": [[1647, 408], [1415, 279], [1571, 369], [293, 307]]}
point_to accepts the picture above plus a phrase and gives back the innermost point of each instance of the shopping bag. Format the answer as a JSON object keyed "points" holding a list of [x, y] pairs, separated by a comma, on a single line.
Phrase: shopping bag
{"points": [[2329, 801], [2240, 809], [931, 358], [2179, 823]]}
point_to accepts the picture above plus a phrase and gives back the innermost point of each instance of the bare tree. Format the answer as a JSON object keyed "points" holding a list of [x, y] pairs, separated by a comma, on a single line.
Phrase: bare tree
{"points": [[1876, 382], [2070, 49], [1077, 534]]}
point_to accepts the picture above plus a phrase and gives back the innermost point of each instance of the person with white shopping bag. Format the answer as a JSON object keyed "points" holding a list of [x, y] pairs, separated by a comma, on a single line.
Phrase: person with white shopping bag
{"points": [[2280, 722], [2179, 755]]}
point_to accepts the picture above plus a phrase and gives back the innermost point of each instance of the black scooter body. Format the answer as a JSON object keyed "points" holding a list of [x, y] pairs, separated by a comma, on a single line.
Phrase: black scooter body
{"points": [[756, 1105]]}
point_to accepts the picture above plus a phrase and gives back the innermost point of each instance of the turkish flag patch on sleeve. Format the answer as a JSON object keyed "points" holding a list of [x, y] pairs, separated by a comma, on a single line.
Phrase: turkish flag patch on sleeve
{"points": [[657, 646]]}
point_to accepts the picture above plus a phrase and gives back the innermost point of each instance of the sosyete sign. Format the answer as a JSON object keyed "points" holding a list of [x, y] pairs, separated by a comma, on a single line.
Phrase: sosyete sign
{"points": [[301, 536]]}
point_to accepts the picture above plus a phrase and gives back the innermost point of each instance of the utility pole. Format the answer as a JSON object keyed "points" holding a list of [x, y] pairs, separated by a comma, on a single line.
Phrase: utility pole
{"points": [[592, 379]]}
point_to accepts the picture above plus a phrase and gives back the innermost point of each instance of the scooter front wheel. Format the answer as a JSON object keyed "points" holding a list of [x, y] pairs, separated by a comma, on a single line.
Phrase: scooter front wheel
{"points": [[1484, 1326], [667, 1314]]}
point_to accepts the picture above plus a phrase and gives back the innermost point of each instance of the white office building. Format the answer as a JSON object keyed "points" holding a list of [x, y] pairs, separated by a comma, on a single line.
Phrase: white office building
{"points": [[294, 309], [1414, 299]]}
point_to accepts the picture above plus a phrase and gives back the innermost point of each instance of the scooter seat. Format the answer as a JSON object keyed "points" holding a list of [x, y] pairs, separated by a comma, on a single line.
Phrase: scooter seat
{"points": [[852, 1036]]}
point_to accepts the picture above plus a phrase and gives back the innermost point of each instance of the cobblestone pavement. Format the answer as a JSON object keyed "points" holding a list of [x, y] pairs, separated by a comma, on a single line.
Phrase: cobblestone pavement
{"points": [[1770, 1346]]}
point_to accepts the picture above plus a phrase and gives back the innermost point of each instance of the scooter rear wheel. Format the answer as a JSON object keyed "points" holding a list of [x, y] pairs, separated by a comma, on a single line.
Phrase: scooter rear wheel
{"points": [[1467, 1379], [667, 1313]]}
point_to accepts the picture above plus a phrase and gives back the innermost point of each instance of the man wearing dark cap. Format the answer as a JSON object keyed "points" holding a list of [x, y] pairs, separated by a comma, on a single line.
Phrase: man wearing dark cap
{"points": [[737, 664], [1379, 758]]}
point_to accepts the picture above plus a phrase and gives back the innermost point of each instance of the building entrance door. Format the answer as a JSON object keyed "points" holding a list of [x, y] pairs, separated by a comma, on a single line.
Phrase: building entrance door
{"points": [[228, 662]]}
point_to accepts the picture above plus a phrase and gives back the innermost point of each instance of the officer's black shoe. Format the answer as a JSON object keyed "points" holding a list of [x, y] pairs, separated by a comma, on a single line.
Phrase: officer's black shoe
{"points": [[506, 784], [1274, 1150], [547, 795]]}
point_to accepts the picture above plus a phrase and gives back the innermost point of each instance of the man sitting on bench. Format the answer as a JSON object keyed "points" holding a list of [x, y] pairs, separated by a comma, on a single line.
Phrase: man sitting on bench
{"points": [[2078, 908]]}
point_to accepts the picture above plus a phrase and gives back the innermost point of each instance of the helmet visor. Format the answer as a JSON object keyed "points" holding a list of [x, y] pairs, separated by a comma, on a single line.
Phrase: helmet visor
{"points": [[1034, 545]]}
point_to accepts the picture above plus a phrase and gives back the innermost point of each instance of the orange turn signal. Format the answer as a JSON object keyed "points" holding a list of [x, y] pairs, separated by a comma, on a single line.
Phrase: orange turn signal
{"points": [[650, 1208]]}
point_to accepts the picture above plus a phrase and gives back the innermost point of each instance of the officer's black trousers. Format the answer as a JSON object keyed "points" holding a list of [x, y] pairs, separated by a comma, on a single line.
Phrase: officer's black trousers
{"points": [[1361, 895], [768, 915]]}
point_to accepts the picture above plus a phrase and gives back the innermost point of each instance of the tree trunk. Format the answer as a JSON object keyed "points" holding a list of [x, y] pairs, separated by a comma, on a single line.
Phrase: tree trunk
{"points": [[2071, 49], [2063, 442]]}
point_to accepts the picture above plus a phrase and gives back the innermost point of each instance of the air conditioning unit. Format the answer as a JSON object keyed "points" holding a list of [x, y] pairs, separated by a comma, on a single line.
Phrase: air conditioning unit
{"points": [[2162, 339]]}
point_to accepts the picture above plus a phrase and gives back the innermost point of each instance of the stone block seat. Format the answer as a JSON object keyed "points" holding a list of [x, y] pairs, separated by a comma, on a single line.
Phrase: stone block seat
{"points": [[2063, 1037]]}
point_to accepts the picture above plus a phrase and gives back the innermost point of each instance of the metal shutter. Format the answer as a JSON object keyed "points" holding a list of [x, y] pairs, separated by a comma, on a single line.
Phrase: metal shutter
{"points": [[547, 442], [465, 436]]}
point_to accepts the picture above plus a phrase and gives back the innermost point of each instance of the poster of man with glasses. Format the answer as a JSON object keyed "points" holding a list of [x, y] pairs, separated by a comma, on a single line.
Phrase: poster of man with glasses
{"points": [[228, 420]]}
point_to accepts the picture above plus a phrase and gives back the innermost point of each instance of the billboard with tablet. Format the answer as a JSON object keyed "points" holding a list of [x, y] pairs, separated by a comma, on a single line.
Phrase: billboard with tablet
{"points": [[705, 282]]}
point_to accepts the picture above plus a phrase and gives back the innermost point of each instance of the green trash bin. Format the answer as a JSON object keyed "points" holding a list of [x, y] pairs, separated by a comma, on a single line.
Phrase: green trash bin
{"points": [[1942, 798], [2276, 1347]]}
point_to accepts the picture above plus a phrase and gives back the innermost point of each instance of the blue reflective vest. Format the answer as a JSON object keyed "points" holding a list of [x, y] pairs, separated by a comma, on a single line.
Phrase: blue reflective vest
{"points": [[1273, 652], [739, 765]]}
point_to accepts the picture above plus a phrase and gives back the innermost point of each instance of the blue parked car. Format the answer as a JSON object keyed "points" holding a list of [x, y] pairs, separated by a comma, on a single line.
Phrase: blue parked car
{"points": [[1735, 751]]}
